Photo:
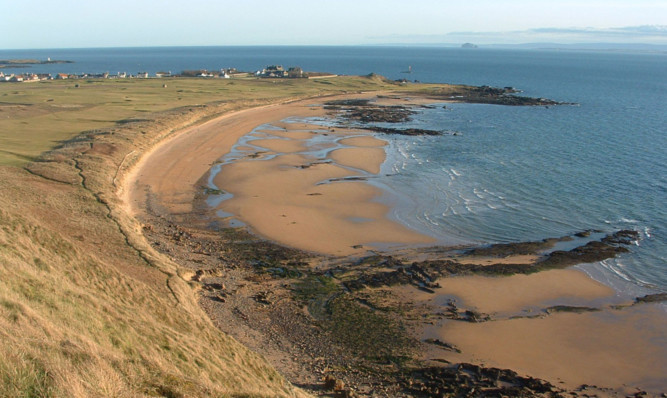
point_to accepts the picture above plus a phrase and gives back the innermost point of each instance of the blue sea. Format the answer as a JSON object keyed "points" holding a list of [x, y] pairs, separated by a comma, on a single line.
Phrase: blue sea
{"points": [[513, 173]]}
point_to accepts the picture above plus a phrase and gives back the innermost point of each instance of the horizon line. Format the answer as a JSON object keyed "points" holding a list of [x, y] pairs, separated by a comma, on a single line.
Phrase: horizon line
{"points": [[388, 44]]}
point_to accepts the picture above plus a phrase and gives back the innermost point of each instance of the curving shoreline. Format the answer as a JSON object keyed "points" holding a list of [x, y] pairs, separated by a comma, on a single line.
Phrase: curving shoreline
{"points": [[308, 191], [174, 181]]}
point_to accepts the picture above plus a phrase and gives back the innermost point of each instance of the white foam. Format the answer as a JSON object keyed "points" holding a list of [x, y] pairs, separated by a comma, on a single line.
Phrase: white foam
{"points": [[647, 232]]}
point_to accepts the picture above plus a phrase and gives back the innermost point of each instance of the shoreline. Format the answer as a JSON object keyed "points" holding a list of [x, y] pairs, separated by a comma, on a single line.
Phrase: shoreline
{"points": [[180, 204], [305, 188]]}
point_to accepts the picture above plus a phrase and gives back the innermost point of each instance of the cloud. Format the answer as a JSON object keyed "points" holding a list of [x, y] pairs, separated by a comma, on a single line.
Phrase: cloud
{"points": [[648, 34]]}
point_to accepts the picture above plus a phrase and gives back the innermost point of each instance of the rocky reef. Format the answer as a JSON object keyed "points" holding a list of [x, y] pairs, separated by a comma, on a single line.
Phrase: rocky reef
{"points": [[493, 95], [366, 114]]}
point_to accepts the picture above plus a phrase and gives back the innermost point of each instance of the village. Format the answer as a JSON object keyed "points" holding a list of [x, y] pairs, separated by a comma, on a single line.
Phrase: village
{"points": [[271, 71]]}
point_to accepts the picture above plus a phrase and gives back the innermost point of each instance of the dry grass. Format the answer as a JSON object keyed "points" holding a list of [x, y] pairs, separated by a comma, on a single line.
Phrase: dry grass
{"points": [[75, 322], [87, 307]]}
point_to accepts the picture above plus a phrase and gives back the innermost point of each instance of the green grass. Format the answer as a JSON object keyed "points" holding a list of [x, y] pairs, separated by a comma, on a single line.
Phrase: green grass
{"points": [[371, 334]]}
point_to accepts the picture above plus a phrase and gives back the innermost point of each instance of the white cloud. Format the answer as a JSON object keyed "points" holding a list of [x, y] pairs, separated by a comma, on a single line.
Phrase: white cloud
{"points": [[648, 34]]}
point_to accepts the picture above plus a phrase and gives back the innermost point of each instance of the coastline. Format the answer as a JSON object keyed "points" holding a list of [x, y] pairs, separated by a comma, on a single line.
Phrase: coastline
{"points": [[308, 190], [174, 188]]}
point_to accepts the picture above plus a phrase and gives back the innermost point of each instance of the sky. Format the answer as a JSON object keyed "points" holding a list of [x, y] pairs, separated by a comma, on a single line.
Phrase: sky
{"points": [[129, 23]]}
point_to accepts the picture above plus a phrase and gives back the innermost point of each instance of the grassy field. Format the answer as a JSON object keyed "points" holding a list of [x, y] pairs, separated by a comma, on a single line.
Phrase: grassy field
{"points": [[35, 117], [87, 306]]}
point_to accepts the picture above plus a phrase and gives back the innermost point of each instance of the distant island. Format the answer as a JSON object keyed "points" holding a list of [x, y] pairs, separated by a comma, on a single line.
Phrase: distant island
{"points": [[25, 63], [469, 45]]}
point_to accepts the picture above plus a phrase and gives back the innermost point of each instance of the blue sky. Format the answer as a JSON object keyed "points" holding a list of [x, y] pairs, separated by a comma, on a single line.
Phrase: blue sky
{"points": [[92, 23]]}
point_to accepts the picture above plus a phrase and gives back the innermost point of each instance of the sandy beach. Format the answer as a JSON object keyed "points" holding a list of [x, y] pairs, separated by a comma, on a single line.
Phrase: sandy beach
{"points": [[278, 189], [288, 195], [297, 185]]}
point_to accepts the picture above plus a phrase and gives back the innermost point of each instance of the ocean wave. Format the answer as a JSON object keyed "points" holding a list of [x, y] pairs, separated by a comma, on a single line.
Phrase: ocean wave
{"points": [[430, 220]]}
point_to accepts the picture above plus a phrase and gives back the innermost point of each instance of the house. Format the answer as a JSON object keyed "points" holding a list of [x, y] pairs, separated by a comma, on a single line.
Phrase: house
{"points": [[279, 71], [274, 71], [295, 71], [62, 76], [16, 78], [142, 75]]}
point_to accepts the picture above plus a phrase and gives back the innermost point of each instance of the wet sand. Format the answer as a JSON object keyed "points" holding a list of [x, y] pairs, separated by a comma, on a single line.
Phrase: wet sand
{"points": [[286, 194], [623, 348]]}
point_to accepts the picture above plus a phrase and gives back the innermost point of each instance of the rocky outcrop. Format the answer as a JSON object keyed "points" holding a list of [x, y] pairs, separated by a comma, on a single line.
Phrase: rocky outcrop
{"points": [[492, 95], [608, 247], [468, 380]]}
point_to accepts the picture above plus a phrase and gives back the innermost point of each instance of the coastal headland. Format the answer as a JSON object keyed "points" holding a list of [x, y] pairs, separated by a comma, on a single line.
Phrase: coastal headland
{"points": [[141, 224]]}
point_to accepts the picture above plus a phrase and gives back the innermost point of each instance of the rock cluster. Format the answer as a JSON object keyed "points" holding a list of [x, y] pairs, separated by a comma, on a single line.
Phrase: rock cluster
{"points": [[467, 380]]}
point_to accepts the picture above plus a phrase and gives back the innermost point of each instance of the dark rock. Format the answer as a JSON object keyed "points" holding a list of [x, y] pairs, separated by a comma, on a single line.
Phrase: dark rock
{"points": [[219, 299], [413, 274], [347, 102], [366, 112], [622, 237], [518, 248], [583, 234], [472, 380], [608, 247], [454, 313], [214, 286], [409, 131], [568, 308], [442, 344], [652, 298], [493, 95], [329, 382]]}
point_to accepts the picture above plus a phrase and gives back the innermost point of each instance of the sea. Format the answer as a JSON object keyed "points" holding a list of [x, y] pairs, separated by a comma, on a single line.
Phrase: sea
{"points": [[509, 173]]}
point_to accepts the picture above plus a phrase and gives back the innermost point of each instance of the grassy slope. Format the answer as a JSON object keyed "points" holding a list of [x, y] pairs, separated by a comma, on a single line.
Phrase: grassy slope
{"points": [[87, 308], [82, 315]]}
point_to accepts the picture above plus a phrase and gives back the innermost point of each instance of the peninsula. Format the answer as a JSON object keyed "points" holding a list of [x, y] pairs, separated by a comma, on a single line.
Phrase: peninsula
{"points": [[24, 63]]}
